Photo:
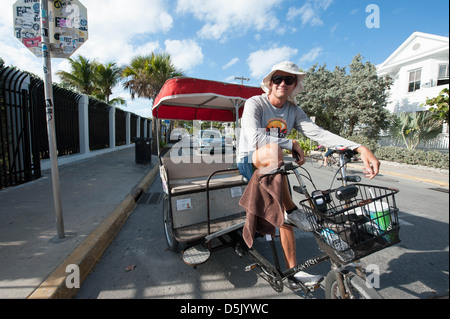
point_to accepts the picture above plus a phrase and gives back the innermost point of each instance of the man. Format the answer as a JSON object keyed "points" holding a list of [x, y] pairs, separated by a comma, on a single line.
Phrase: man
{"points": [[266, 121]]}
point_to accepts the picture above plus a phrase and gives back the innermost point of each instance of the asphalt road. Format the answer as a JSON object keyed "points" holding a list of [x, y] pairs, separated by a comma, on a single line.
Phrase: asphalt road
{"points": [[137, 264]]}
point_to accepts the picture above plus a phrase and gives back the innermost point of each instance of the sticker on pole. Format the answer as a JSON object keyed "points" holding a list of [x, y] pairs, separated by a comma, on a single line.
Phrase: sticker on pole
{"points": [[68, 26]]}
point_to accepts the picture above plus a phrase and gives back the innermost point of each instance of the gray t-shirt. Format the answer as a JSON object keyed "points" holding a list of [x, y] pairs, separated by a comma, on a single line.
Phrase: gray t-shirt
{"points": [[262, 123]]}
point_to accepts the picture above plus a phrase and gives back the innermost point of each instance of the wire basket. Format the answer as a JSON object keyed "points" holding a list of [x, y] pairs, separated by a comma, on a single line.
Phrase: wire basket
{"points": [[354, 221]]}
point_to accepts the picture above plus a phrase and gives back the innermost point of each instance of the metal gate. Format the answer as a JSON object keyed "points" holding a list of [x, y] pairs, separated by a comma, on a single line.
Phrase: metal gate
{"points": [[18, 162]]}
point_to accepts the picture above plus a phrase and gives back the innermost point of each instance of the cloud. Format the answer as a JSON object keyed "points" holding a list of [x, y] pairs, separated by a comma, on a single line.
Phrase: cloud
{"points": [[185, 54], [311, 56], [231, 63], [114, 26], [224, 17], [146, 48], [112, 30], [261, 61], [310, 12]]}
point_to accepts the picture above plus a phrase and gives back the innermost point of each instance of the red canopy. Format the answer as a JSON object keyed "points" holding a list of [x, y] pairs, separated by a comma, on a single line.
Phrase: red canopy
{"points": [[196, 99]]}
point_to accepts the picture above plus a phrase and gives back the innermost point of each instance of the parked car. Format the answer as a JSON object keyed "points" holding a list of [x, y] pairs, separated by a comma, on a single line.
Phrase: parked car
{"points": [[210, 141], [177, 134]]}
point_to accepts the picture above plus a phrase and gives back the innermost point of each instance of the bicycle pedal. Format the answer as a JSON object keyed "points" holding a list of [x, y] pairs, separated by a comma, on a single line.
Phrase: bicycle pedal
{"points": [[314, 288], [251, 267]]}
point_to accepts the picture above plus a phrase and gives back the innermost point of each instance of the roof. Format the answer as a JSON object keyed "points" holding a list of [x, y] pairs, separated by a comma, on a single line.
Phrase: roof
{"points": [[418, 46], [184, 98]]}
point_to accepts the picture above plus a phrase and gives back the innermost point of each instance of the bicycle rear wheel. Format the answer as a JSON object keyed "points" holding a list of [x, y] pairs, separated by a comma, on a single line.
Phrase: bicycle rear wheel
{"points": [[333, 163], [317, 160]]}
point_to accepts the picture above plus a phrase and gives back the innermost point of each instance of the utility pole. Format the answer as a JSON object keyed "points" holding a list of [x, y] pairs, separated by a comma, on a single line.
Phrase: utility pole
{"points": [[242, 79]]}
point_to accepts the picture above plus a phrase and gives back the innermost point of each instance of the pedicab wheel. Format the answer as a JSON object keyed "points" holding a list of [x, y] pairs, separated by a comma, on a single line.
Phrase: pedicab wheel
{"points": [[356, 288], [172, 243]]}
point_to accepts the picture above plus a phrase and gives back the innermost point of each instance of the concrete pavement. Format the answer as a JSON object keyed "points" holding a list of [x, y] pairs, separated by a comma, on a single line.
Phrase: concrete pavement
{"points": [[98, 195]]}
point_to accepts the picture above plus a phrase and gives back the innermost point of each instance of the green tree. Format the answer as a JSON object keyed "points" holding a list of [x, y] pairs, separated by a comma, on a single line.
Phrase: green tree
{"points": [[365, 100], [107, 76], [413, 128], [81, 78], [92, 78], [320, 97], [146, 75], [439, 105], [346, 102]]}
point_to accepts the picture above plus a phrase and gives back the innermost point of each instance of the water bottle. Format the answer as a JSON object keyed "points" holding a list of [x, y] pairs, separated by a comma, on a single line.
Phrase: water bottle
{"points": [[341, 246], [333, 240]]}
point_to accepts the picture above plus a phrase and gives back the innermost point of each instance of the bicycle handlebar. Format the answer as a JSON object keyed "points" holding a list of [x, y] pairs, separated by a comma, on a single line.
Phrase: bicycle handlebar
{"points": [[346, 151]]}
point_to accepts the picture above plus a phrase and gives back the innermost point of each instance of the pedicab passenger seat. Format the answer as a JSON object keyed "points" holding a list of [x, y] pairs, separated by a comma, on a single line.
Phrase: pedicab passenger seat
{"points": [[190, 174]]}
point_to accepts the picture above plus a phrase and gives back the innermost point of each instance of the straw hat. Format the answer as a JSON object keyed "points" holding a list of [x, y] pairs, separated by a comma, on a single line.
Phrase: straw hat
{"points": [[288, 67]]}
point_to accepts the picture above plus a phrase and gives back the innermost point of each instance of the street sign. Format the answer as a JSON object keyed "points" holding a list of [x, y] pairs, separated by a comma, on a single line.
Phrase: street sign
{"points": [[68, 27]]}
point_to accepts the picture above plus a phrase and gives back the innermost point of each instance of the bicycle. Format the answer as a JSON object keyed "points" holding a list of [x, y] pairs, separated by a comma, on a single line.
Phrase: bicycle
{"points": [[325, 158], [349, 222]]}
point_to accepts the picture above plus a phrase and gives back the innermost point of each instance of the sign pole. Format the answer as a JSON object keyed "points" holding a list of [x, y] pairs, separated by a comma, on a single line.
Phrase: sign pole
{"points": [[48, 89]]}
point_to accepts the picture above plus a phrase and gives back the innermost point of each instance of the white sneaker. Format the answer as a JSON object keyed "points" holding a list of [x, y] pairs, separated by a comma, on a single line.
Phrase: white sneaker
{"points": [[299, 219], [307, 279]]}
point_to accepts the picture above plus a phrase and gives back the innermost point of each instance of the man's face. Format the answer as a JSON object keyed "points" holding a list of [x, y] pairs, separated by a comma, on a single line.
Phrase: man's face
{"points": [[282, 90]]}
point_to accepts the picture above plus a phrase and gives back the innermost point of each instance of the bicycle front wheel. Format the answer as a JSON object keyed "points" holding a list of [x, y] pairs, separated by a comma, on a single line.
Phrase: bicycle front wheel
{"points": [[355, 287]]}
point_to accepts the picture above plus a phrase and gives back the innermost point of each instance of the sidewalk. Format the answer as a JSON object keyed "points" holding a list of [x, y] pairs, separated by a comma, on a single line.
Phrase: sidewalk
{"points": [[97, 195]]}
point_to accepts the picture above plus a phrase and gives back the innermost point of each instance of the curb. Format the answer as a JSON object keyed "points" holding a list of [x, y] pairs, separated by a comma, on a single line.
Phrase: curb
{"points": [[87, 254]]}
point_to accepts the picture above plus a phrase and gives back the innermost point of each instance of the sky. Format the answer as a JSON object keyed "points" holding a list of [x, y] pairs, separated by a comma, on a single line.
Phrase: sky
{"points": [[224, 39]]}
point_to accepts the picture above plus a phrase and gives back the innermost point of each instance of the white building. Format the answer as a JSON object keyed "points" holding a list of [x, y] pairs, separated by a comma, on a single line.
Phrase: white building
{"points": [[420, 70]]}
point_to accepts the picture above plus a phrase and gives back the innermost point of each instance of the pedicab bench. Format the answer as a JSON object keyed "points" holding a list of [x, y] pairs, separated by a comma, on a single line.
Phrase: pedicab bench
{"points": [[193, 185]]}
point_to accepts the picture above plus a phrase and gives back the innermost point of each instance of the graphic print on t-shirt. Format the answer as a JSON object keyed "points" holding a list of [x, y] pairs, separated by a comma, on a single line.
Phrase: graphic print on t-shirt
{"points": [[277, 127]]}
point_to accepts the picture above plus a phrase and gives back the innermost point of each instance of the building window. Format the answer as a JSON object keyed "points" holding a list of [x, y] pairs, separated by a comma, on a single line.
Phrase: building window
{"points": [[414, 80], [443, 74]]}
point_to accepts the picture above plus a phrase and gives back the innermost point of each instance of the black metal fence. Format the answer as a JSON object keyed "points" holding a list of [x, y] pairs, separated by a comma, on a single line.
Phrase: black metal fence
{"points": [[121, 127], [19, 161], [23, 133], [98, 125], [66, 119]]}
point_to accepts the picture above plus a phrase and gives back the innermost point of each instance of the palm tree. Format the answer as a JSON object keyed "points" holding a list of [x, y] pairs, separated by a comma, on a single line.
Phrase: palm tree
{"points": [[82, 75], [413, 128], [145, 77], [107, 76]]}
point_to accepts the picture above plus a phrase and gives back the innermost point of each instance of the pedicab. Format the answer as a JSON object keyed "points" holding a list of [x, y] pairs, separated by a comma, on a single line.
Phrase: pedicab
{"points": [[201, 209], [202, 192]]}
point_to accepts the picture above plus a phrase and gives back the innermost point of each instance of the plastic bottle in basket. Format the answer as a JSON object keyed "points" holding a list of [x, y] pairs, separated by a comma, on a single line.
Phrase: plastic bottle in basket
{"points": [[380, 219], [338, 244]]}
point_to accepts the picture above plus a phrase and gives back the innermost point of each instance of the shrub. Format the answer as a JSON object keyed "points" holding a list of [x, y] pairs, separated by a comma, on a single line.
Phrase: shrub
{"points": [[371, 144], [414, 157]]}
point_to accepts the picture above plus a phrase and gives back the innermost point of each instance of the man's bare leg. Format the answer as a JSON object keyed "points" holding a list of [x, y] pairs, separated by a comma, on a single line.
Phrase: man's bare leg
{"points": [[287, 239], [270, 155]]}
